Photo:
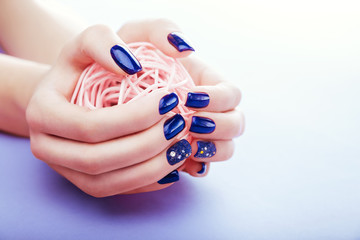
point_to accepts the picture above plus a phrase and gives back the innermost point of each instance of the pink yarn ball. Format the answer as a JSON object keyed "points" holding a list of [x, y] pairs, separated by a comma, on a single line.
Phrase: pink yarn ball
{"points": [[98, 88]]}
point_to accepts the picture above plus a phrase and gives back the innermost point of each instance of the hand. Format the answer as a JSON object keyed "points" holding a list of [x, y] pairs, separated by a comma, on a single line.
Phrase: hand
{"points": [[223, 99], [217, 145], [106, 151]]}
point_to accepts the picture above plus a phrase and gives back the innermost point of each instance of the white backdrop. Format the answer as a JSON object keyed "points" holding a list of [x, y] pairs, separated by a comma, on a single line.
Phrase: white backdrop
{"points": [[296, 170]]}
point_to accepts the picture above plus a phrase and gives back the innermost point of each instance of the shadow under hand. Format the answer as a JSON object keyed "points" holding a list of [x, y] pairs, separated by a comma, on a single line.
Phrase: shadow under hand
{"points": [[68, 197], [168, 200]]}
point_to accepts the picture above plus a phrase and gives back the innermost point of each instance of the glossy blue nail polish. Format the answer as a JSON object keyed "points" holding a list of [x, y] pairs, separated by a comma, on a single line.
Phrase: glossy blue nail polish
{"points": [[202, 125], [125, 60], [177, 39], [178, 152], [205, 149], [197, 100], [203, 168], [168, 102], [173, 126], [170, 178]]}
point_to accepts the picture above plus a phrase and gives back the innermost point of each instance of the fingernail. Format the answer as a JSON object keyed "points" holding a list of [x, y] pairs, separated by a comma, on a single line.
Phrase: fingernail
{"points": [[202, 125], [125, 59], [203, 168], [178, 152], [177, 39], [170, 178], [205, 149], [168, 102], [173, 126], [197, 100]]}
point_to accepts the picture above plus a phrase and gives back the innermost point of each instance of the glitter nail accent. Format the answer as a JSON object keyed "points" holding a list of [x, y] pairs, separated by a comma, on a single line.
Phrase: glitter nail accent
{"points": [[178, 152], [205, 149]]}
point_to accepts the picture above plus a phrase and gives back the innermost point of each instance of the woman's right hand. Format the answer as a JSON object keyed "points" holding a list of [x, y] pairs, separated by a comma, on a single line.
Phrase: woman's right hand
{"points": [[106, 151]]}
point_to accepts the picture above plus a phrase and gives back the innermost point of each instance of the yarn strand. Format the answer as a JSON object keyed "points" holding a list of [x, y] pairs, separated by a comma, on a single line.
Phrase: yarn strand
{"points": [[99, 88]]}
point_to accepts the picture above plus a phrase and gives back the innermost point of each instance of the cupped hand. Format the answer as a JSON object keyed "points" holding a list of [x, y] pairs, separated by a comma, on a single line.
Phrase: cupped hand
{"points": [[216, 121], [106, 151]]}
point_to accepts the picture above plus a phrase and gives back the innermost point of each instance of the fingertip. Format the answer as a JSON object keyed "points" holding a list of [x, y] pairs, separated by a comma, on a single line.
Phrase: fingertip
{"points": [[170, 178], [162, 33], [242, 128], [180, 42], [99, 43], [168, 103], [234, 90], [197, 99], [172, 43], [221, 97], [204, 150], [197, 169], [167, 37], [125, 59], [203, 172], [150, 188]]}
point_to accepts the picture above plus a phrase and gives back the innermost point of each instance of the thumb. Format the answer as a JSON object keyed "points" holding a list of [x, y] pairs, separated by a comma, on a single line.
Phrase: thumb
{"points": [[100, 44], [162, 33]]}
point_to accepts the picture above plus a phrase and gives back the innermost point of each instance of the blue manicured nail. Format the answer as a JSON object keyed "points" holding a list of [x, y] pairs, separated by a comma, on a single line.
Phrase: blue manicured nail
{"points": [[177, 39], [197, 100], [170, 178], [202, 125], [168, 102], [125, 59], [173, 126], [205, 149], [178, 152], [203, 168]]}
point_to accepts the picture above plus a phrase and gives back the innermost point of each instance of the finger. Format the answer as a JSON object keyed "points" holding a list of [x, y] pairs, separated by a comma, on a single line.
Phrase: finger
{"points": [[212, 151], [100, 157], [212, 92], [217, 126], [58, 117], [150, 188], [218, 98], [164, 34], [201, 73], [164, 182], [122, 180], [100, 44], [197, 169]]}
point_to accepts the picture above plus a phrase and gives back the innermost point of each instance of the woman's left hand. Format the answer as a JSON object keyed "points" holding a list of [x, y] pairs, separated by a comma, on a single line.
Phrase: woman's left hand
{"points": [[216, 121]]}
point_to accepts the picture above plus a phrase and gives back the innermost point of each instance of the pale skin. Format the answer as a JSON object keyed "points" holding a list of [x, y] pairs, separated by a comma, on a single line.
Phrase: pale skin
{"points": [[107, 151]]}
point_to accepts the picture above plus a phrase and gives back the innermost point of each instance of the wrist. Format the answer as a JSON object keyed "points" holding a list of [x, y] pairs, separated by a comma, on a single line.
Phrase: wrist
{"points": [[24, 88], [18, 80]]}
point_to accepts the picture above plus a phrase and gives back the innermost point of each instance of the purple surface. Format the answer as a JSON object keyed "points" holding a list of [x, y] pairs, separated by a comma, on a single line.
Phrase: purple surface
{"points": [[36, 203]]}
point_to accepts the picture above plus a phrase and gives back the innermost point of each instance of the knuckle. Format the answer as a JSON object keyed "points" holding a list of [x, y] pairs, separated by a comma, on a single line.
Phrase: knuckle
{"points": [[237, 123], [88, 131], [38, 146], [89, 164], [35, 148], [229, 151], [242, 123], [232, 93], [95, 30], [152, 173], [162, 22], [93, 188], [32, 114], [87, 37], [130, 24], [127, 27], [237, 94]]}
